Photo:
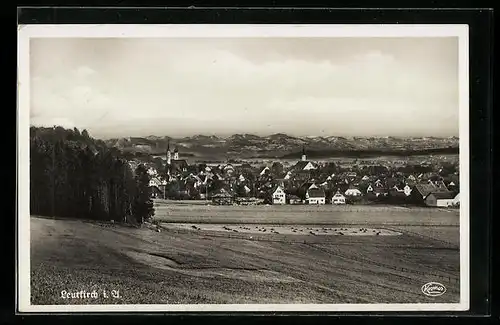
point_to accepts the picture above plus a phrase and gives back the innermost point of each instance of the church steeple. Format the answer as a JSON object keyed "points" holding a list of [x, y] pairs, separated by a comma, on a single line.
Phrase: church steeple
{"points": [[304, 157], [176, 153], [169, 154]]}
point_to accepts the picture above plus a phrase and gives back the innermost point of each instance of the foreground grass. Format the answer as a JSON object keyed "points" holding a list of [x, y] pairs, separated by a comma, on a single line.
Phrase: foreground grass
{"points": [[172, 267]]}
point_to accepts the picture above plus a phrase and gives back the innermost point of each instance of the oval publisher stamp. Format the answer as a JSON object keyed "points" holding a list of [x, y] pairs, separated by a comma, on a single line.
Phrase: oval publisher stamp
{"points": [[433, 289]]}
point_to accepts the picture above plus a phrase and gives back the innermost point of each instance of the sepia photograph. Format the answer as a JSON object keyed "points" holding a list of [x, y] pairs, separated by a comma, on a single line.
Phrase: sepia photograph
{"points": [[243, 168]]}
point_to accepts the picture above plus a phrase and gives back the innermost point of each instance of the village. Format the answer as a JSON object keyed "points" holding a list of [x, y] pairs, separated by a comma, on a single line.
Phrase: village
{"points": [[429, 183]]}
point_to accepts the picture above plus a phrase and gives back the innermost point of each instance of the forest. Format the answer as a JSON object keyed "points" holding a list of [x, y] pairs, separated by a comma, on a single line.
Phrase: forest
{"points": [[73, 175]]}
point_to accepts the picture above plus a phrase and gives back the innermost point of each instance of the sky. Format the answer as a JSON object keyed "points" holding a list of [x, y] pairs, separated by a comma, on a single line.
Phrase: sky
{"points": [[120, 87]]}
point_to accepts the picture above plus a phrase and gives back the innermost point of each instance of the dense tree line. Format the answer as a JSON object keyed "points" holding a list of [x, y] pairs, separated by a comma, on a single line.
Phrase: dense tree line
{"points": [[73, 175]]}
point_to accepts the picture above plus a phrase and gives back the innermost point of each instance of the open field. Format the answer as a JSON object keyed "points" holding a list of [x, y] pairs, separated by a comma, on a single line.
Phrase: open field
{"points": [[305, 214], [290, 230], [180, 264]]}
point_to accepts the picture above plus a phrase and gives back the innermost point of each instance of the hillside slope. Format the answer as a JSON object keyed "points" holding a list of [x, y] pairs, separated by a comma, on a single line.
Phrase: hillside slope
{"points": [[170, 267]]}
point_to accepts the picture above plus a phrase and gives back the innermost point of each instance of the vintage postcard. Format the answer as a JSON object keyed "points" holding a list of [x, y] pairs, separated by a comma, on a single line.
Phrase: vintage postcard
{"points": [[243, 168]]}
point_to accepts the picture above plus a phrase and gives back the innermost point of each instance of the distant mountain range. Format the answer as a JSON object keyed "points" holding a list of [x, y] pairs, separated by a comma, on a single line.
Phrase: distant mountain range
{"points": [[281, 145]]}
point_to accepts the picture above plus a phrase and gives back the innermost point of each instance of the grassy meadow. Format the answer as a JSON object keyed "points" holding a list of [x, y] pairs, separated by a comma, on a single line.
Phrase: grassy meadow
{"points": [[165, 265]]}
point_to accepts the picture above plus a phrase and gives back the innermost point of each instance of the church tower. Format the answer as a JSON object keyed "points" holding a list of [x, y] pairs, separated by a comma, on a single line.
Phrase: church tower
{"points": [[169, 154], [304, 157], [176, 154]]}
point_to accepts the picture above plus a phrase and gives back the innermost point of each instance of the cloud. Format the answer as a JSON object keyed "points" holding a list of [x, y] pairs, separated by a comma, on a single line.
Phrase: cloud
{"points": [[216, 89]]}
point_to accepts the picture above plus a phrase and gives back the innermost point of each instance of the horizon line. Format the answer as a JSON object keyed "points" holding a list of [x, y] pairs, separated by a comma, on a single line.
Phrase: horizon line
{"points": [[227, 135]]}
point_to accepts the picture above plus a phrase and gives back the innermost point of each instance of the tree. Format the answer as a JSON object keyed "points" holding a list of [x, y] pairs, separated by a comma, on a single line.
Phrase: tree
{"points": [[215, 185], [142, 207], [73, 175], [159, 165], [277, 169], [173, 190], [240, 190]]}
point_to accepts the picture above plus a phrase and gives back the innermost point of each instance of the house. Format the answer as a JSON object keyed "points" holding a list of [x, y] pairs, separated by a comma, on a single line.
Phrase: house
{"points": [[407, 190], [155, 182], [315, 195], [304, 166], [152, 171], [456, 200], [222, 197], [380, 191], [452, 186], [422, 190], [369, 189], [156, 192], [440, 199], [365, 178], [278, 195], [352, 191], [397, 196], [157, 187], [195, 179], [293, 199], [265, 171], [178, 166], [228, 169], [338, 198]]}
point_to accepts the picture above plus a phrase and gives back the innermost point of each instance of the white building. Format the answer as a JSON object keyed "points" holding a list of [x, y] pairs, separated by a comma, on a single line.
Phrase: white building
{"points": [[443, 199], [315, 195], [407, 190], [155, 182], [338, 198], [264, 171], [229, 169], [279, 196], [353, 192], [152, 171]]}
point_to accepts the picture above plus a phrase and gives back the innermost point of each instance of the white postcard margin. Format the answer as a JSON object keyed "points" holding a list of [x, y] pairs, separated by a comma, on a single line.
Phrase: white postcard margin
{"points": [[26, 32]]}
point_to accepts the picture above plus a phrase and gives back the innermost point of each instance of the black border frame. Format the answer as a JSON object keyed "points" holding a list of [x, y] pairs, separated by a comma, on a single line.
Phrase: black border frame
{"points": [[480, 23]]}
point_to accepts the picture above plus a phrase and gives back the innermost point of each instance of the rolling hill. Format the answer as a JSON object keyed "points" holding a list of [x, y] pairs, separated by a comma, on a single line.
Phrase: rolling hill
{"points": [[281, 145]]}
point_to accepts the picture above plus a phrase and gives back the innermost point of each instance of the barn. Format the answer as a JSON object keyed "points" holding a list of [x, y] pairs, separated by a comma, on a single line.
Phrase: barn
{"points": [[440, 199]]}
